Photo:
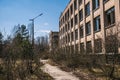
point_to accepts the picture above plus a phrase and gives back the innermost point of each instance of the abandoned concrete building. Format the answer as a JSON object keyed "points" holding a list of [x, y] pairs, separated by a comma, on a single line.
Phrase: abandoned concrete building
{"points": [[90, 26]]}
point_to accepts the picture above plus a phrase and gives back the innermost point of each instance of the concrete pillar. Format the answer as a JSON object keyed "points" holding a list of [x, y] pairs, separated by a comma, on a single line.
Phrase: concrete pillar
{"points": [[117, 18], [84, 25], [78, 27], [70, 29], [102, 26], [92, 26], [74, 25]]}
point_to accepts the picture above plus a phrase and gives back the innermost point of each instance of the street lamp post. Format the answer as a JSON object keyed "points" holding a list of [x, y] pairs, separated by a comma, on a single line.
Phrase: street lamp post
{"points": [[33, 27]]}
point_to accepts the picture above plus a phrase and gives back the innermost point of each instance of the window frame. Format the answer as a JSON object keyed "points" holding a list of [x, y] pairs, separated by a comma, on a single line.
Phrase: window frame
{"points": [[89, 47], [97, 24], [81, 15], [72, 36], [76, 19], [75, 5], [71, 9], [96, 4], [88, 28], [82, 49], [81, 31], [71, 23], [87, 9], [76, 34], [104, 1], [110, 17], [80, 2]]}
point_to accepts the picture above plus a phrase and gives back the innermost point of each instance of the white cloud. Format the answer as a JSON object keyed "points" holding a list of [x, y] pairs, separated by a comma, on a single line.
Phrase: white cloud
{"points": [[45, 24], [43, 31]]}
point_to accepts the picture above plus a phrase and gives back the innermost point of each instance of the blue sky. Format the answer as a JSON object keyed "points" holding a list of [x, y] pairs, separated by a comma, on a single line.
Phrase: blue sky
{"points": [[13, 12]]}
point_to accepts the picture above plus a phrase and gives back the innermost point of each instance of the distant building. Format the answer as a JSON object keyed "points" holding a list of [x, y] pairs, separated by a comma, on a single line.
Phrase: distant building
{"points": [[29, 27], [53, 40], [91, 26]]}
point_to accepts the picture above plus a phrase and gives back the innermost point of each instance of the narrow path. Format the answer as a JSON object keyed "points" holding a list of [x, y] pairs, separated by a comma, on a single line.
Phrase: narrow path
{"points": [[56, 72]]}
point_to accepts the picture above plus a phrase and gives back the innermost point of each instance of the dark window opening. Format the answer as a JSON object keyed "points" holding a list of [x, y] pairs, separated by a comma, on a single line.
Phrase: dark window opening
{"points": [[110, 17], [75, 4], [95, 4], [88, 28], [68, 26], [81, 15], [97, 25], [81, 32], [87, 9], [76, 34], [76, 19], [82, 50], [68, 37], [88, 47], [105, 1], [80, 2], [63, 30], [98, 46], [65, 16], [72, 36], [72, 48], [76, 47], [71, 9], [68, 15], [71, 22], [111, 44]]}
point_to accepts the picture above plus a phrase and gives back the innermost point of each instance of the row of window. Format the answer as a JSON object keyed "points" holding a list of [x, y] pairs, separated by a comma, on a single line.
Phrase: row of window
{"points": [[109, 18], [97, 47], [95, 3], [110, 47]]}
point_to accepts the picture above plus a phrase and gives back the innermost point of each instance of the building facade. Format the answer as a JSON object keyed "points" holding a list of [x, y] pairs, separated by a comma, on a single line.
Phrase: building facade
{"points": [[53, 40], [90, 26]]}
